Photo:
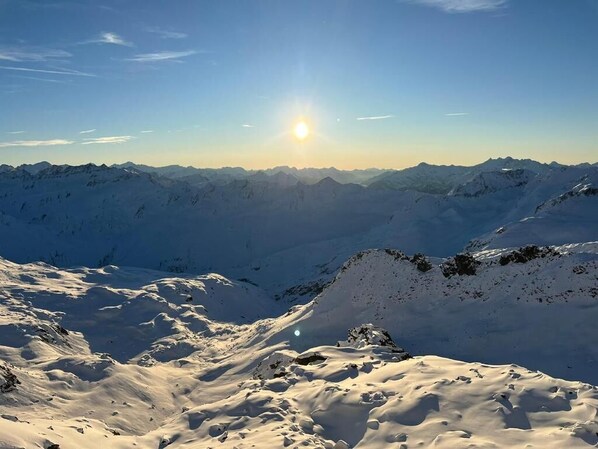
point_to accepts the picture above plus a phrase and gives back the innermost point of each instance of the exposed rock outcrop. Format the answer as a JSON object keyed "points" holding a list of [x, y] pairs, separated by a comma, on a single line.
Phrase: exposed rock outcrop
{"points": [[8, 381], [527, 253], [461, 264]]}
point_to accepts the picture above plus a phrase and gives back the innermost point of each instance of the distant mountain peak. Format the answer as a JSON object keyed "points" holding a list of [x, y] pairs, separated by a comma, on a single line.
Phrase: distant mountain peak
{"points": [[328, 181]]}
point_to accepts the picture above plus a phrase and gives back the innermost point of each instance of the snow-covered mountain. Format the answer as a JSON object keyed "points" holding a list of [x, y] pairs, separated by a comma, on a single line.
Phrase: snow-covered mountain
{"points": [[566, 217], [493, 310], [94, 216], [95, 352], [189, 174], [315, 175], [494, 181], [274, 230], [441, 179], [199, 176], [123, 357], [35, 168]]}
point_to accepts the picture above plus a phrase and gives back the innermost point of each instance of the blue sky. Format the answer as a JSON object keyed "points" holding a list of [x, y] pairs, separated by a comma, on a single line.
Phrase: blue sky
{"points": [[385, 83]]}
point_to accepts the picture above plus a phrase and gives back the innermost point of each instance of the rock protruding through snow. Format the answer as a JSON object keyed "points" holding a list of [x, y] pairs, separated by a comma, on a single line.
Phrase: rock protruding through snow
{"points": [[462, 264], [8, 380], [370, 335], [527, 253]]}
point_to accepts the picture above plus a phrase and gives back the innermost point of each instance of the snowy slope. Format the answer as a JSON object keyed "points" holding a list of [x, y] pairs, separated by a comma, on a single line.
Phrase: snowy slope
{"points": [[540, 314], [355, 399], [127, 312], [566, 217], [189, 373]]}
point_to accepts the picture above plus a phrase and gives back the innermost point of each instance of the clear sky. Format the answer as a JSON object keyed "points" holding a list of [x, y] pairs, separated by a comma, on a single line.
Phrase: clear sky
{"points": [[385, 83]]}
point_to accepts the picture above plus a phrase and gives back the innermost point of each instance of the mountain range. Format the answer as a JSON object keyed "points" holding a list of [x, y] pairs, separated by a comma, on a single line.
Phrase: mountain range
{"points": [[276, 230], [174, 307]]}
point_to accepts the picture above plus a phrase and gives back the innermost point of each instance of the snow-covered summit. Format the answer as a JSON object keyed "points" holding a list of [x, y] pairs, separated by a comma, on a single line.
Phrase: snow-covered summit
{"points": [[495, 312], [442, 179], [489, 182]]}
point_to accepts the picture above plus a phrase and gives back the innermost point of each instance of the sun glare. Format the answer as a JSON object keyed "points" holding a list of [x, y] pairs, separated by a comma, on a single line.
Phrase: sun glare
{"points": [[301, 130]]}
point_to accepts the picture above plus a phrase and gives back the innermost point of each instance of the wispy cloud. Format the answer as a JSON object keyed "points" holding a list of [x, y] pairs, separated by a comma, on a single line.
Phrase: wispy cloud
{"points": [[247, 125], [87, 131], [375, 117], [462, 6], [162, 56], [47, 4], [53, 72], [166, 34], [146, 131], [16, 54], [46, 80], [15, 132], [35, 143], [109, 38], [104, 140], [456, 114]]}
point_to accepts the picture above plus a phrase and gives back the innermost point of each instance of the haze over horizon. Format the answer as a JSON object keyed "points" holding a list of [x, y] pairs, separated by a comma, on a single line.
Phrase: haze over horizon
{"points": [[210, 84], [257, 169]]}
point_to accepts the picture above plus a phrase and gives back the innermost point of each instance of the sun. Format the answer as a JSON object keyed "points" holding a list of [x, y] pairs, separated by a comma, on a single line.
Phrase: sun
{"points": [[301, 130]]}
